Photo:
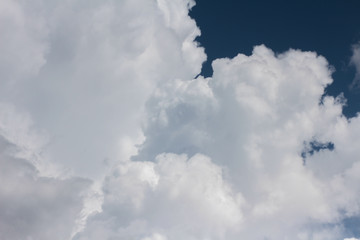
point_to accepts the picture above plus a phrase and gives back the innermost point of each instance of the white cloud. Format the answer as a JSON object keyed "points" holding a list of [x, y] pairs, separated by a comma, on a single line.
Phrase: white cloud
{"points": [[82, 72], [98, 63], [258, 147], [176, 196], [106, 88], [33, 204], [23, 43]]}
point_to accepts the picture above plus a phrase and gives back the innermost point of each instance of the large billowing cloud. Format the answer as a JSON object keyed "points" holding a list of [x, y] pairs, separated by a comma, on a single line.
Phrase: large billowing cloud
{"points": [[285, 157], [81, 72], [105, 90], [85, 70]]}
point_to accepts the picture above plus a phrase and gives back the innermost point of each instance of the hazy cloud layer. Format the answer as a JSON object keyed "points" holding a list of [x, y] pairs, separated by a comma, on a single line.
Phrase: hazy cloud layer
{"points": [[99, 107]]}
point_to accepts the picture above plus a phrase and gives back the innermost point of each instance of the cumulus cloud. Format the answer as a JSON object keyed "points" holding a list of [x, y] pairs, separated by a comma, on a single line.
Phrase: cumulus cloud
{"points": [[105, 90], [171, 198], [33, 205], [79, 66], [258, 146]]}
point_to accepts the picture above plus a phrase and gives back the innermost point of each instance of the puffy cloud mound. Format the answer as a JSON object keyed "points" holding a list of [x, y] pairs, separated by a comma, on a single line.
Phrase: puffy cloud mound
{"points": [[171, 198], [105, 90], [264, 122]]}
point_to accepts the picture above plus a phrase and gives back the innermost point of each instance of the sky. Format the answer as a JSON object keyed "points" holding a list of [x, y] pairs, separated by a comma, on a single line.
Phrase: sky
{"points": [[176, 119]]}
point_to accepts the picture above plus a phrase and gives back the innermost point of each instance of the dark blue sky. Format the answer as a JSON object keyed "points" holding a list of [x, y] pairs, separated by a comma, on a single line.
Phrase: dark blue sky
{"points": [[328, 27]]}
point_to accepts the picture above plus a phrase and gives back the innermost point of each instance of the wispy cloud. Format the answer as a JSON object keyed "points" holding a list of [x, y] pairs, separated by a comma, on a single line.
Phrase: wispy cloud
{"points": [[355, 61]]}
